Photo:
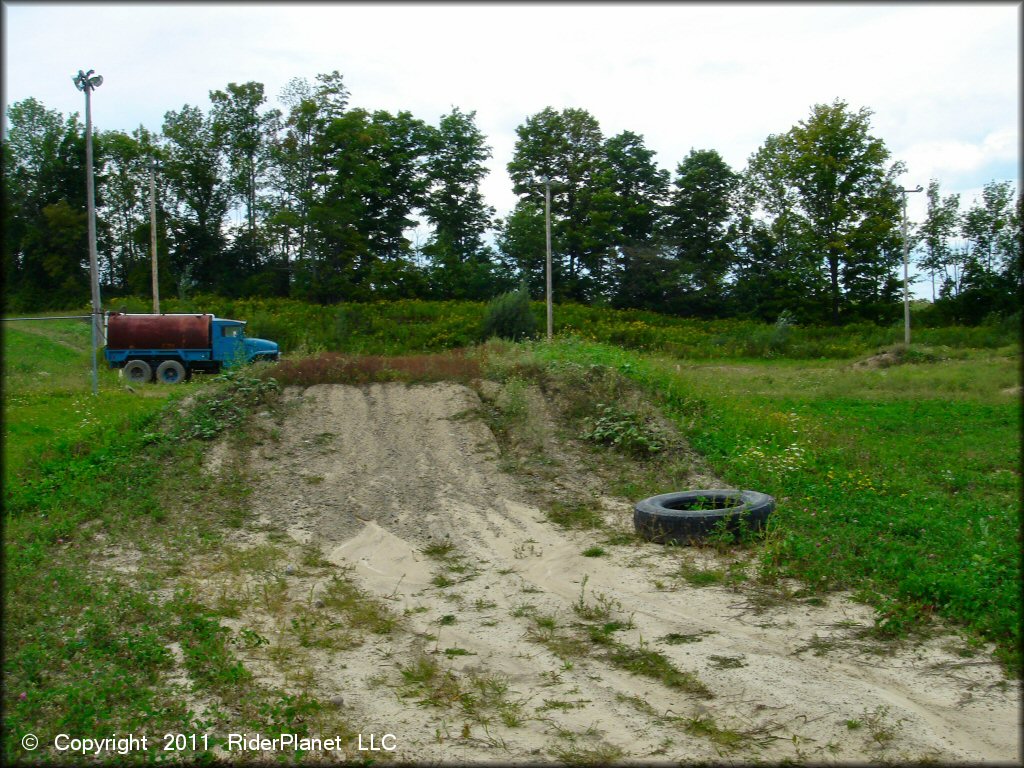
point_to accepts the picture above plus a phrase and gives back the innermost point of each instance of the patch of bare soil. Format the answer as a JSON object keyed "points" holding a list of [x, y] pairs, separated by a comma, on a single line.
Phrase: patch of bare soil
{"points": [[881, 360], [400, 488]]}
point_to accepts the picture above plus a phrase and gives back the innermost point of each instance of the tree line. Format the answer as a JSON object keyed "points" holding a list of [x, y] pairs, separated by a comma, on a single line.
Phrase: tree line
{"points": [[319, 201]]}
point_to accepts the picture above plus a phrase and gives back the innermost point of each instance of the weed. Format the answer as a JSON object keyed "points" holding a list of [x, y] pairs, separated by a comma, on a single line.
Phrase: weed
{"points": [[594, 552], [879, 726], [676, 638], [600, 609], [646, 662], [362, 610], [624, 430], [601, 753], [705, 726], [726, 662], [576, 515], [440, 550], [700, 577]]}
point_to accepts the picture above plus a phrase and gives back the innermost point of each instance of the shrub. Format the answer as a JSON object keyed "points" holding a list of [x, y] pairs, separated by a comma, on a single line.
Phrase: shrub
{"points": [[509, 316]]}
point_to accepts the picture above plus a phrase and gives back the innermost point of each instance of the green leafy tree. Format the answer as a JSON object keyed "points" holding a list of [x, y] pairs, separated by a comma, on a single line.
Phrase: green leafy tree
{"points": [[636, 190], [991, 275], [832, 182], [699, 232], [522, 244], [461, 264], [44, 208], [937, 230], [372, 183], [567, 147], [987, 226], [300, 160], [243, 133], [199, 203], [124, 176], [776, 271]]}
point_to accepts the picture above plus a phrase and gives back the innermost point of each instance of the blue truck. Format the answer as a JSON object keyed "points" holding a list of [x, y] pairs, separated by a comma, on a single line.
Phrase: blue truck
{"points": [[170, 347]]}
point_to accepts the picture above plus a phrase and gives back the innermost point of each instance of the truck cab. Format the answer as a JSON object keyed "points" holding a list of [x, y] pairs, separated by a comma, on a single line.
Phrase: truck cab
{"points": [[231, 346]]}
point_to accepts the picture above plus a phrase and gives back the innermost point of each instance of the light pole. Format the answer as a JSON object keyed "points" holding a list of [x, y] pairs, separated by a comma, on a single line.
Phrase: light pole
{"points": [[906, 278], [85, 81]]}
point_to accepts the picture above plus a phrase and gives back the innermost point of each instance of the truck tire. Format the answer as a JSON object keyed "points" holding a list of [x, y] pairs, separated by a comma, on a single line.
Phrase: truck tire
{"points": [[170, 372], [687, 517], [138, 372]]}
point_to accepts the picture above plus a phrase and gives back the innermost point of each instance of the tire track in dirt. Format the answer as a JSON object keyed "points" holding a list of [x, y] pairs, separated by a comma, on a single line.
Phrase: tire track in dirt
{"points": [[376, 476]]}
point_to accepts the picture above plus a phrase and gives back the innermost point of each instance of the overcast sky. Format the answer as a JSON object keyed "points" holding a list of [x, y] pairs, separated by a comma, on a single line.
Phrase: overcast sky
{"points": [[942, 79]]}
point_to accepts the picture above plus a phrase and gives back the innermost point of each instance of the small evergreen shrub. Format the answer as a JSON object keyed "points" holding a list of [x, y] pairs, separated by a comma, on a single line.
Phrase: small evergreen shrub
{"points": [[509, 317]]}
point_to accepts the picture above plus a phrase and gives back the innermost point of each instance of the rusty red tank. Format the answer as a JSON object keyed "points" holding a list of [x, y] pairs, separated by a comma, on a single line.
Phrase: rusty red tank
{"points": [[158, 331]]}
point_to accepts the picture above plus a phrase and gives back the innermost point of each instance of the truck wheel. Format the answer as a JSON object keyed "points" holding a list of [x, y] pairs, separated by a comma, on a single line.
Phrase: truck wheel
{"points": [[137, 372], [170, 372], [687, 517]]}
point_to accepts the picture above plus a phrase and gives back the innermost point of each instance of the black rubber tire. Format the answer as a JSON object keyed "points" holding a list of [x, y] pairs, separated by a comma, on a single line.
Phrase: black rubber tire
{"points": [[671, 518], [170, 372], [137, 372]]}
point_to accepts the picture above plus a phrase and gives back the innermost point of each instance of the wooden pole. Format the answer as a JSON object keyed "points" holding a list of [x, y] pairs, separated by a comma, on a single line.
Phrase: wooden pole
{"points": [[152, 234]]}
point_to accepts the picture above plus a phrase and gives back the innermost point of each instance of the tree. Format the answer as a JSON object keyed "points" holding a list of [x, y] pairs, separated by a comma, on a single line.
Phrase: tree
{"points": [[521, 241], [300, 158], [991, 275], [776, 272], [243, 134], [461, 265], [698, 232], [832, 182], [567, 148], [124, 177], [939, 226], [987, 227], [199, 205], [635, 189], [43, 193], [372, 182]]}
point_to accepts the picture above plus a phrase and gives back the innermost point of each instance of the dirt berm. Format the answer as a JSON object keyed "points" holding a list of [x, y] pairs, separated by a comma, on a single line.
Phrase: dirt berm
{"points": [[511, 645]]}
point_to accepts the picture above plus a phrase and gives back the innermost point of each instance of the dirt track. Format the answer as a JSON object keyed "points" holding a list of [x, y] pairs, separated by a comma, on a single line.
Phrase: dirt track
{"points": [[375, 477]]}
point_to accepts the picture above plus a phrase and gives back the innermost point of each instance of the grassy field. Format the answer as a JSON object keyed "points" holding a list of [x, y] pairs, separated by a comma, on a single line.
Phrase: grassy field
{"points": [[48, 403], [87, 648], [401, 327], [901, 483]]}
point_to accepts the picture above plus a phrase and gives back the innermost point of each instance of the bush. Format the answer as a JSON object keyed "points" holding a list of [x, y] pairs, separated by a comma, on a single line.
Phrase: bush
{"points": [[509, 316]]}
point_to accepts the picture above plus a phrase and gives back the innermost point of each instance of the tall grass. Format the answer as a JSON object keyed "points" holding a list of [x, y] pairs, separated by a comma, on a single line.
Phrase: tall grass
{"points": [[400, 327]]}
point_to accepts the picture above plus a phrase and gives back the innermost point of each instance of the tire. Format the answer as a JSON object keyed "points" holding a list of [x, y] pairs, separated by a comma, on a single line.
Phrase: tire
{"points": [[170, 372], [687, 517], [137, 372]]}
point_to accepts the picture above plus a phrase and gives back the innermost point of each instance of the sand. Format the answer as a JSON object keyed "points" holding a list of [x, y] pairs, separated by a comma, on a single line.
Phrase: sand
{"points": [[373, 477]]}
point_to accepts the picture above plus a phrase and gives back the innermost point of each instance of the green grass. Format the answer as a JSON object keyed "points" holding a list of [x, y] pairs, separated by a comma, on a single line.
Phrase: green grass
{"points": [[48, 403], [86, 649], [902, 484], [413, 325]]}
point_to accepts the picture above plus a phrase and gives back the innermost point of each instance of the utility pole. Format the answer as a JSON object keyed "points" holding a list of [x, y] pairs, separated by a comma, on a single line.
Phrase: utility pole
{"points": [[84, 81], [906, 280], [152, 234], [547, 237]]}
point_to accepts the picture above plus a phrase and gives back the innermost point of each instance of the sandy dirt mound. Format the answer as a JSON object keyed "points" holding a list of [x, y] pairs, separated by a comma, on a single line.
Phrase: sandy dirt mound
{"points": [[401, 485]]}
